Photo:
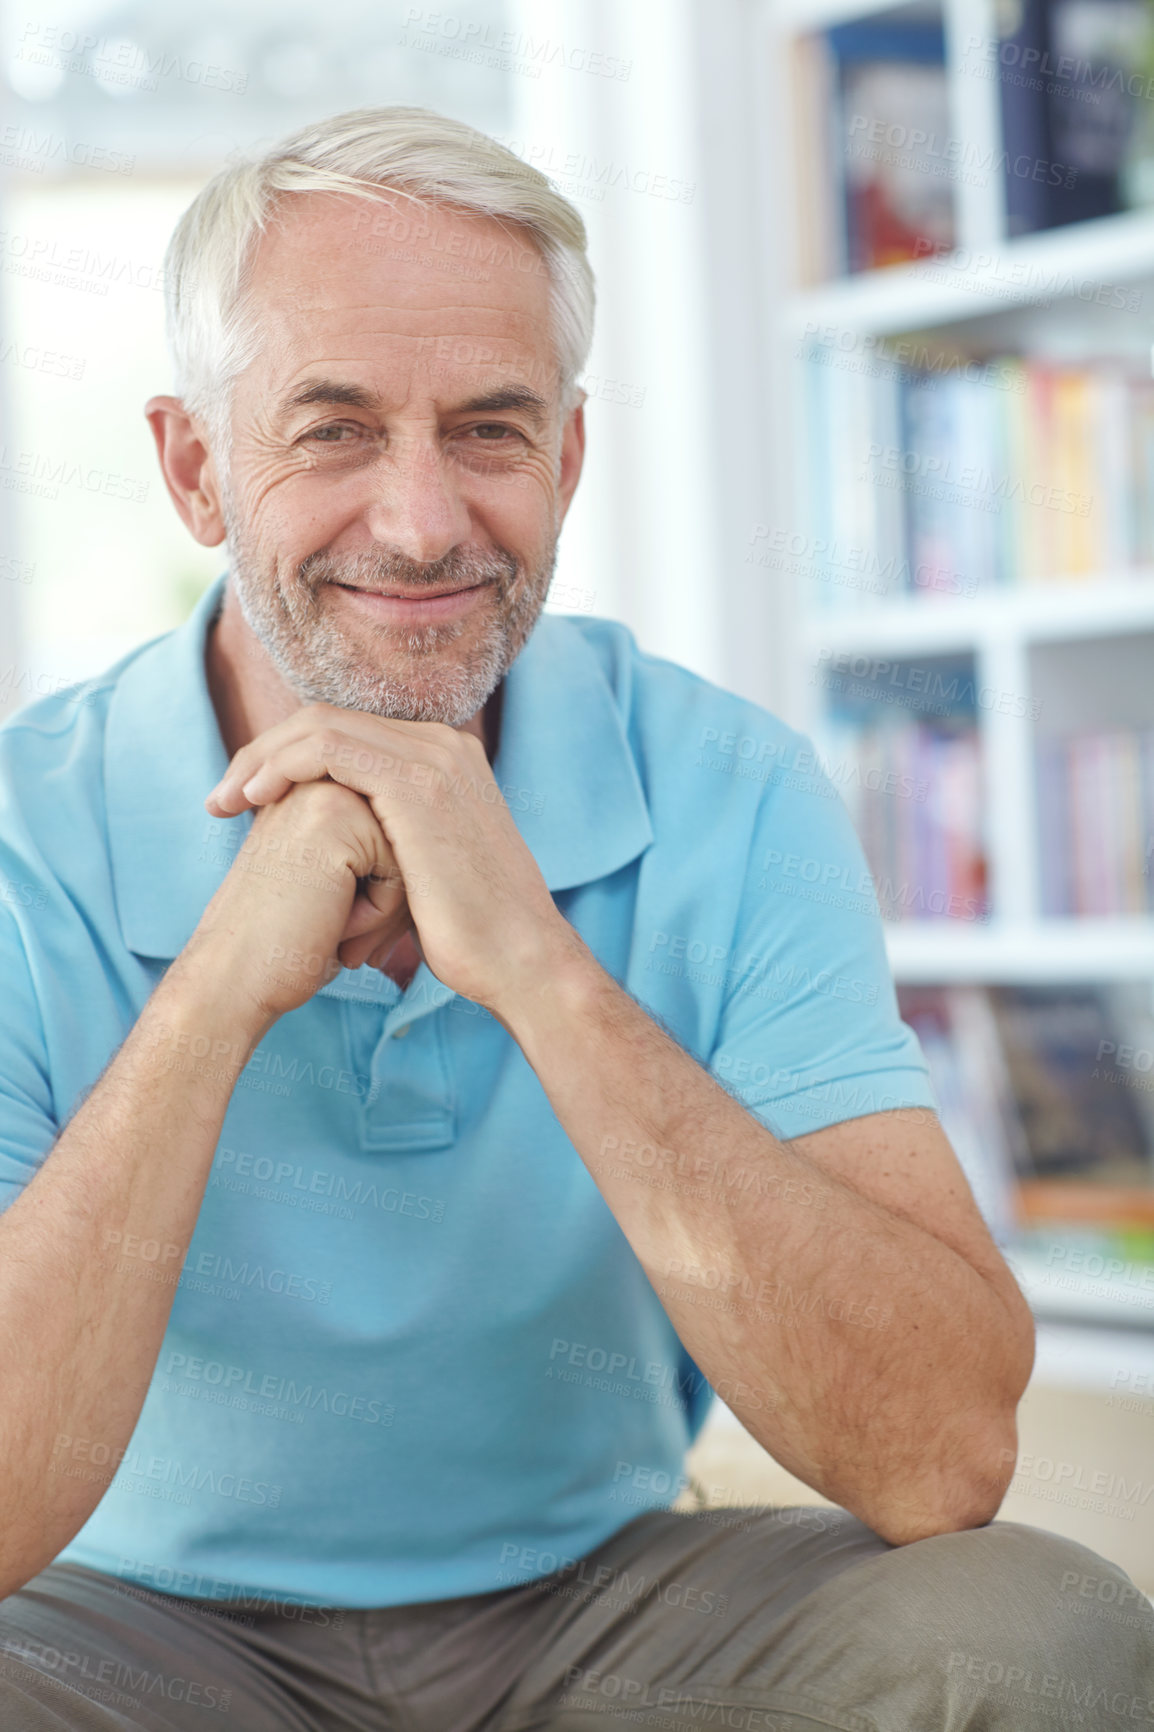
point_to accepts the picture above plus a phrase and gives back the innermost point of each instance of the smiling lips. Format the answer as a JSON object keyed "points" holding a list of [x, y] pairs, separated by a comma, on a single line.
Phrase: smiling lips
{"points": [[414, 609]]}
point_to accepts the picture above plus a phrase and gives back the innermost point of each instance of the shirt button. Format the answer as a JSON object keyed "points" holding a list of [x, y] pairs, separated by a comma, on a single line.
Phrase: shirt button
{"points": [[403, 1030]]}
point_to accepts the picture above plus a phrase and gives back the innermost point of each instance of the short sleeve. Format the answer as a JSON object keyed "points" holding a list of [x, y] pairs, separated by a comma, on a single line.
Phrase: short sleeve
{"points": [[28, 1125], [810, 1032]]}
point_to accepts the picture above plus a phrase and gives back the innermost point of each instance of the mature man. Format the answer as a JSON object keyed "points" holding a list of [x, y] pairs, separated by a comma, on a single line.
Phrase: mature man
{"points": [[388, 1186]]}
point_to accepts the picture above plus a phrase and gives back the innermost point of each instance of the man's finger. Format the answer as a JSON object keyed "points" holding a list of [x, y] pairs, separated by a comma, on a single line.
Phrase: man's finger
{"points": [[372, 925], [317, 741]]}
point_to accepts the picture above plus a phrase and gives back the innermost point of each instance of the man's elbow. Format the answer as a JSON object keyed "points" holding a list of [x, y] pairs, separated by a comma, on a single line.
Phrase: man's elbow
{"points": [[965, 1492]]}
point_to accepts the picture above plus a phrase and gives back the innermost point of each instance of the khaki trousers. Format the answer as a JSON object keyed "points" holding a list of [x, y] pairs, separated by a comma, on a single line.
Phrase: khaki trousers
{"points": [[783, 1620]]}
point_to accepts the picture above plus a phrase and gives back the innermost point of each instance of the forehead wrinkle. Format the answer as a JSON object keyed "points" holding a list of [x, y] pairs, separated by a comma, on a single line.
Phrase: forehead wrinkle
{"points": [[290, 314]]}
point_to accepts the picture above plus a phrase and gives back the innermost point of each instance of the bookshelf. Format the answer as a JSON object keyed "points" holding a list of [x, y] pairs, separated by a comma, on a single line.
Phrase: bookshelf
{"points": [[1074, 652], [1019, 273]]}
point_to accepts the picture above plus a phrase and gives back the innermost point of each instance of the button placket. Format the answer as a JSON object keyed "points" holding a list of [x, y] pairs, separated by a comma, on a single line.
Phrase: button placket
{"points": [[412, 1101]]}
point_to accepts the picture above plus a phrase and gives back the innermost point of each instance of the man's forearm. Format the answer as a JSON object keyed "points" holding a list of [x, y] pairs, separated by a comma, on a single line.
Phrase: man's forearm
{"points": [[869, 1357], [90, 1256]]}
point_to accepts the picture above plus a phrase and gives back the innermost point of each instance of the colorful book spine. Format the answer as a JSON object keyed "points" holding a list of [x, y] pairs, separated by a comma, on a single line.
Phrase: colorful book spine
{"points": [[1096, 823], [955, 476], [914, 792]]}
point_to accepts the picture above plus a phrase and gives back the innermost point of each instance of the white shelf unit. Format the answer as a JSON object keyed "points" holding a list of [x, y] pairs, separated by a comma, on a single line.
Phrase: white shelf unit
{"points": [[992, 295], [1032, 271], [1003, 632]]}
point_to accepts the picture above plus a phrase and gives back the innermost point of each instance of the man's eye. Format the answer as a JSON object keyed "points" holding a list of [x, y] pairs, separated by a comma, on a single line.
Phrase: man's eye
{"points": [[489, 428], [336, 433]]}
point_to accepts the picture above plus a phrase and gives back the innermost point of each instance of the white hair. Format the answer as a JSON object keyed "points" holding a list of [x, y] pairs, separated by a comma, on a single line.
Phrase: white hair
{"points": [[368, 153]]}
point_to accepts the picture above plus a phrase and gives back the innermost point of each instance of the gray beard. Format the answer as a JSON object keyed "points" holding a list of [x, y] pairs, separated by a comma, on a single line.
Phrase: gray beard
{"points": [[321, 664]]}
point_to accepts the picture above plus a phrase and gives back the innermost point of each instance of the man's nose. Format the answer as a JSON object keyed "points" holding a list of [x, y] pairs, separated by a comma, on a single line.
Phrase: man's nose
{"points": [[417, 505]]}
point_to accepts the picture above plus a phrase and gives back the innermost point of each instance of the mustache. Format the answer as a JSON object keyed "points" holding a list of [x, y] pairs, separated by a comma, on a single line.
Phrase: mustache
{"points": [[461, 568]]}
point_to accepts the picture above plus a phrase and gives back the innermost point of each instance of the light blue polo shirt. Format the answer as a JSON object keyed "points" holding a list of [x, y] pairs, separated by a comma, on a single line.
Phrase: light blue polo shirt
{"points": [[411, 1354]]}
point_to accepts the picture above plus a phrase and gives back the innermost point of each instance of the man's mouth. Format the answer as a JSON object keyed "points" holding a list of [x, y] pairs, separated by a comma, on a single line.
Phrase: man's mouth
{"points": [[414, 607]]}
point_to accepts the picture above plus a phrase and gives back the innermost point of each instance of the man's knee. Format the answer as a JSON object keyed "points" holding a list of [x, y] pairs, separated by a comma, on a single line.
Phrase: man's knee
{"points": [[1019, 1617], [1036, 1574], [987, 1627]]}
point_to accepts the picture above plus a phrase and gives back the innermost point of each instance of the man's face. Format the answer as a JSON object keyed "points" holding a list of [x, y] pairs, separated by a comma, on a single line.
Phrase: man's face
{"points": [[400, 467]]}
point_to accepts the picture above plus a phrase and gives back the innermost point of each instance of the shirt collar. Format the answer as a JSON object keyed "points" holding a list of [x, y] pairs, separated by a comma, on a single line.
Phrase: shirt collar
{"points": [[564, 765]]}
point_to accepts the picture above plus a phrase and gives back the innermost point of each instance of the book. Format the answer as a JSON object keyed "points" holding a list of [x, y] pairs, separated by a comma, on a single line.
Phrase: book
{"points": [[958, 1036], [953, 478], [892, 142], [1047, 1126], [1094, 95], [1077, 1113], [1095, 792], [1071, 77], [903, 745]]}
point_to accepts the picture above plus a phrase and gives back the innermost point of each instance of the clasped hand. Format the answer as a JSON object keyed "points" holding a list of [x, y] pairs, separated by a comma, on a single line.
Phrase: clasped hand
{"points": [[451, 862]]}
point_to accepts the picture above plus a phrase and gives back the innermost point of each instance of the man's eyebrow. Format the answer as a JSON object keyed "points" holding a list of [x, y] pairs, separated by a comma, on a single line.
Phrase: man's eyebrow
{"points": [[508, 397], [325, 391], [330, 391]]}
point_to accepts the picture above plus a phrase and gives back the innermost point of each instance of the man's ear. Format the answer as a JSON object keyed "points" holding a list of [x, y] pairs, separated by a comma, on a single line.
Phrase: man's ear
{"points": [[188, 469]]}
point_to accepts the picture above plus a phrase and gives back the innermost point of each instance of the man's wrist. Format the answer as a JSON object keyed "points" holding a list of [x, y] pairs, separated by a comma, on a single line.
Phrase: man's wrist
{"points": [[562, 982], [203, 995]]}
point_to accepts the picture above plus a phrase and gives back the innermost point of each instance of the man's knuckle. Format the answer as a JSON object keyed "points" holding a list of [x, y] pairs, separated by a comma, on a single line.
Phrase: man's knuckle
{"points": [[327, 800]]}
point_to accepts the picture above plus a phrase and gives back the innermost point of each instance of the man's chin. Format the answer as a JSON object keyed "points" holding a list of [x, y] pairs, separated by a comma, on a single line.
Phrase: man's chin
{"points": [[401, 651], [437, 673]]}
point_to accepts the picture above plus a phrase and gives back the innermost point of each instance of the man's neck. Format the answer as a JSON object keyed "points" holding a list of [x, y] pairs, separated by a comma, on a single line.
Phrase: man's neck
{"points": [[249, 695]]}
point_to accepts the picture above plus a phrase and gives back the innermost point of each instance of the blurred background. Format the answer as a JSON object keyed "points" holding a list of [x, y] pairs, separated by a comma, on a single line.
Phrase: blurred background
{"points": [[871, 440]]}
